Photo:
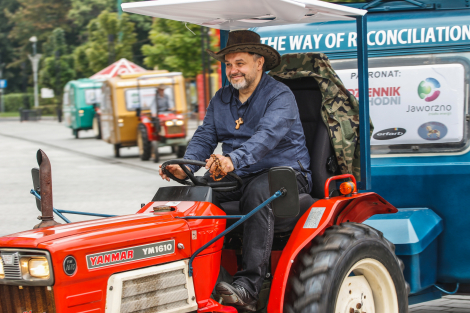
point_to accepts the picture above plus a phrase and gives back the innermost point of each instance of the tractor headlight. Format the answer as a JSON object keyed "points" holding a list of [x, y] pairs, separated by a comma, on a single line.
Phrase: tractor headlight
{"points": [[26, 267], [169, 123], [179, 123], [2, 271], [39, 267]]}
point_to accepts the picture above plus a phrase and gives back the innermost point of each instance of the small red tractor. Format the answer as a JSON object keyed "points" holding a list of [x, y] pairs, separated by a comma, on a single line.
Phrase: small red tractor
{"points": [[162, 126], [170, 254], [168, 129]]}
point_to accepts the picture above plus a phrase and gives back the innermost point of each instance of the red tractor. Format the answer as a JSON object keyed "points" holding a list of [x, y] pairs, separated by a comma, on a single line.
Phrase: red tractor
{"points": [[162, 126], [169, 256], [168, 129]]}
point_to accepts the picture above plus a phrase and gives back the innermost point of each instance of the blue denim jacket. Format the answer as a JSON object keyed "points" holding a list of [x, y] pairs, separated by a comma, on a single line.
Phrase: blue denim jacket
{"points": [[271, 135]]}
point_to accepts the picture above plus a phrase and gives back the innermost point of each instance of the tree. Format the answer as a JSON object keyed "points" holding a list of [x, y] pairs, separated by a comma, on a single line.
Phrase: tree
{"points": [[82, 68], [174, 47], [36, 18], [7, 47], [143, 25], [58, 64], [83, 11], [29, 18], [109, 39]]}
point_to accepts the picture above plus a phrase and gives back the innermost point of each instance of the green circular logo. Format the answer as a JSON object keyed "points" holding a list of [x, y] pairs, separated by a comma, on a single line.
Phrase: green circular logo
{"points": [[428, 89]]}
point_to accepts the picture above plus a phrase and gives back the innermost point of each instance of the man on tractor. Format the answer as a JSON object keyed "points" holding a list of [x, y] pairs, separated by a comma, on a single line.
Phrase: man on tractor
{"points": [[161, 103], [257, 120]]}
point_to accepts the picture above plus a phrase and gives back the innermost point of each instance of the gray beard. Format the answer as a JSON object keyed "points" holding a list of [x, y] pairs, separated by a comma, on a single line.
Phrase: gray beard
{"points": [[241, 85]]}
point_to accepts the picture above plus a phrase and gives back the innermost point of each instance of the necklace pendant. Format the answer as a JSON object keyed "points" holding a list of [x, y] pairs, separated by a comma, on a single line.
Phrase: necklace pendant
{"points": [[239, 122]]}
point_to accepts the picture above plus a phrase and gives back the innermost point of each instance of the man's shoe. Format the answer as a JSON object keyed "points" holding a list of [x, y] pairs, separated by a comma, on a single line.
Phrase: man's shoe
{"points": [[236, 295]]}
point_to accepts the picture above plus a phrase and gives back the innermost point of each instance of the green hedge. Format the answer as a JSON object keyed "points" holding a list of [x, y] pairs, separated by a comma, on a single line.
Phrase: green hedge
{"points": [[14, 101], [48, 109]]}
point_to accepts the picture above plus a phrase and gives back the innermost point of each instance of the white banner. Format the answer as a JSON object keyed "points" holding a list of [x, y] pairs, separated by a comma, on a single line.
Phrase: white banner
{"points": [[47, 93], [145, 101], [93, 96], [414, 104]]}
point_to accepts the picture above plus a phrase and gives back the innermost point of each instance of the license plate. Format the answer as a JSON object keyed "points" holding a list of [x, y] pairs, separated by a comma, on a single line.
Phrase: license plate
{"points": [[7, 259]]}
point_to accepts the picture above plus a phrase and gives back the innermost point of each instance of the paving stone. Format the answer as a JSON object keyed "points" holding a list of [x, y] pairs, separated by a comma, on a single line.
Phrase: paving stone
{"points": [[451, 303]]}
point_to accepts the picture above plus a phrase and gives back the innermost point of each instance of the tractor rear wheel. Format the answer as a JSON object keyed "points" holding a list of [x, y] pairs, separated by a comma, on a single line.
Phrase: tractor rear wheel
{"points": [[351, 268], [117, 148], [143, 142]]}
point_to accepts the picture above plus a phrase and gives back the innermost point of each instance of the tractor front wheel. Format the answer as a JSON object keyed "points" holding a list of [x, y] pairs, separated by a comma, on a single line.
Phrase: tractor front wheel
{"points": [[155, 153], [143, 142], [97, 126], [351, 268], [181, 151]]}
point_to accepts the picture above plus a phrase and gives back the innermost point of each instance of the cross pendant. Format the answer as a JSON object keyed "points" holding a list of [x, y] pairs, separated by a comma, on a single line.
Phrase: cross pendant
{"points": [[239, 122]]}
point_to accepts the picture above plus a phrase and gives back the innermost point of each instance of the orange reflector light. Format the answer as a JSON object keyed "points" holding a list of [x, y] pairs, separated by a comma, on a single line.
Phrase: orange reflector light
{"points": [[347, 188]]}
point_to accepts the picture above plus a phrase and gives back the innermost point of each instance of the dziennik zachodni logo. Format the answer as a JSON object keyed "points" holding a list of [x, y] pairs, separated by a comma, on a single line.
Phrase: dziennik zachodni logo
{"points": [[428, 89]]}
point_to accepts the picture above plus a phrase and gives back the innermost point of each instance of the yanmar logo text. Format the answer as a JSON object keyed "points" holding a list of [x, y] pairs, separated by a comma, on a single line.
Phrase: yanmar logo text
{"points": [[130, 254], [112, 257]]}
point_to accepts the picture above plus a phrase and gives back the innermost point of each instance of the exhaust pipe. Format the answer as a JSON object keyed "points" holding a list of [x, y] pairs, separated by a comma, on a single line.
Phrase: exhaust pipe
{"points": [[45, 179]]}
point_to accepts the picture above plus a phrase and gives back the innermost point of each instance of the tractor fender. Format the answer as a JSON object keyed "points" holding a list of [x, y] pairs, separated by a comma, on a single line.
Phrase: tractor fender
{"points": [[149, 126], [322, 214]]}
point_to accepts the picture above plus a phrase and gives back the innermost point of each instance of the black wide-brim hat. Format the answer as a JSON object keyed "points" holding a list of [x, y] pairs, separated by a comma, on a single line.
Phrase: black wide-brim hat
{"points": [[248, 41]]}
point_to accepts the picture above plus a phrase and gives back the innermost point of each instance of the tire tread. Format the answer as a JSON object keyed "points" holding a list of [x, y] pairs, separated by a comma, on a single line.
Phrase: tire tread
{"points": [[318, 262]]}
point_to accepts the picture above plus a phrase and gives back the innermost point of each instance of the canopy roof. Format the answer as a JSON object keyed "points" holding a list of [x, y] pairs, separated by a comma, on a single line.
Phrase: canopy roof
{"points": [[123, 66], [239, 14]]}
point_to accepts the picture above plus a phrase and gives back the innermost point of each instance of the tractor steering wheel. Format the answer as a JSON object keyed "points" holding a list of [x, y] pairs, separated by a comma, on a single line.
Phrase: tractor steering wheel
{"points": [[198, 180]]}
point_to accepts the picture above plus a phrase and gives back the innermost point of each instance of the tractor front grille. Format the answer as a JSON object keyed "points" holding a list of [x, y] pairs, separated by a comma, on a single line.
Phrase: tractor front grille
{"points": [[164, 288], [12, 271], [21, 299], [172, 130]]}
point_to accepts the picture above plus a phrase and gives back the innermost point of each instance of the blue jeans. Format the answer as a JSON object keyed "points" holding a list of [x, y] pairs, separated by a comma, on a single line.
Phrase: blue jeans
{"points": [[258, 231]]}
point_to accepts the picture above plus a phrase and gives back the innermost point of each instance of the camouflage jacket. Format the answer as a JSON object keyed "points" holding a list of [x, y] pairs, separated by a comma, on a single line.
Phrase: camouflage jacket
{"points": [[340, 109]]}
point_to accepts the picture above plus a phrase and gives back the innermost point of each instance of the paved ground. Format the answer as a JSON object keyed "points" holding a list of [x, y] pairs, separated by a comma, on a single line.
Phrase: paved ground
{"points": [[448, 304], [87, 177], [85, 174]]}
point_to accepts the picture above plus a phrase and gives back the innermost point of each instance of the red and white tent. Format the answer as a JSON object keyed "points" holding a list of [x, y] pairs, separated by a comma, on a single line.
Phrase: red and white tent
{"points": [[123, 66]]}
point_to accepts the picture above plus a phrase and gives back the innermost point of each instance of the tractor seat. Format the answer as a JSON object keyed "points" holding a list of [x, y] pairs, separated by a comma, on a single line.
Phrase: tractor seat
{"points": [[280, 224]]}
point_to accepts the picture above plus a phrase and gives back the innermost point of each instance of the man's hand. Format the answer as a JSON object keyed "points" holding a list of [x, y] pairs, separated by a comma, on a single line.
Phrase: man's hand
{"points": [[225, 163], [174, 169]]}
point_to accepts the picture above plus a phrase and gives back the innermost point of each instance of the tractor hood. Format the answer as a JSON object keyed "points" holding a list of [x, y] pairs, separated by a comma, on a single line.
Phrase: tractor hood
{"points": [[148, 237], [105, 227]]}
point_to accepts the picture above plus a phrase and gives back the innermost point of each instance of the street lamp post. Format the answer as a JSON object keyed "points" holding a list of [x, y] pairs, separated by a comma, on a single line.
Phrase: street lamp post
{"points": [[2, 105], [35, 62], [58, 84]]}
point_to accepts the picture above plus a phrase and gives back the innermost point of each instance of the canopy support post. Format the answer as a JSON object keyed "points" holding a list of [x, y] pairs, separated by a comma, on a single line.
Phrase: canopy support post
{"points": [[364, 126], [223, 44]]}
